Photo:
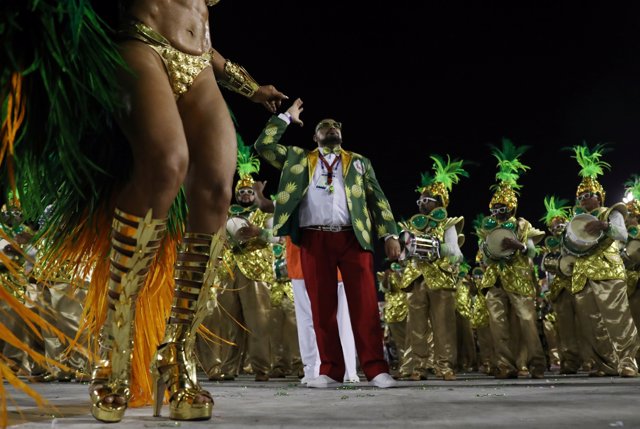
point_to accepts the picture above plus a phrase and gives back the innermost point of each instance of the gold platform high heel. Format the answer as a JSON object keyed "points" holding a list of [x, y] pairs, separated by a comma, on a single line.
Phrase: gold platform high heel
{"points": [[174, 366], [134, 244]]}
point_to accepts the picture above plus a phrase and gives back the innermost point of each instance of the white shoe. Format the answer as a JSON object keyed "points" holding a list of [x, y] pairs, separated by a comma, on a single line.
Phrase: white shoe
{"points": [[323, 382], [384, 381]]}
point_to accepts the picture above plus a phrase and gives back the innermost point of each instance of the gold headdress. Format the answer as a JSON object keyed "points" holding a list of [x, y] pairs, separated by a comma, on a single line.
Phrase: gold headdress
{"points": [[632, 197], [509, 168], [590, 168], [556, 209], [446, 174], [247, 165]]}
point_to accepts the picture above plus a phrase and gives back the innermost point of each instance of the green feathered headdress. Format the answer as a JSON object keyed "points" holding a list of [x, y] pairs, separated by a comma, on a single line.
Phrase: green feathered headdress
{"points": [[248, 164], [556, 209], [509, 169], [591, 166], [445, 175], [633, 195]]}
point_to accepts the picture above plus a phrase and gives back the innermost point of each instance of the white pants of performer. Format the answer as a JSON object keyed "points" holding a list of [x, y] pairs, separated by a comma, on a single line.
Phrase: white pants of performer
{"points": [[307, 336]]}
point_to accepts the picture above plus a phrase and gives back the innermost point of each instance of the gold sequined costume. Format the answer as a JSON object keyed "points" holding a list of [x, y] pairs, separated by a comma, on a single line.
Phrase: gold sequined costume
{"points": [[244, 302], [575, 333], [512, 290], [510, 278], [599, 285], [432, 297]]}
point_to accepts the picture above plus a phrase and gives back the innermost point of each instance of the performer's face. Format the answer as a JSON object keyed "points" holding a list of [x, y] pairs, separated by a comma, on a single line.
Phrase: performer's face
{"points": [[245, 196], [328, 133], [588, 201], [426, 203], [557, 225], [500, 211]]}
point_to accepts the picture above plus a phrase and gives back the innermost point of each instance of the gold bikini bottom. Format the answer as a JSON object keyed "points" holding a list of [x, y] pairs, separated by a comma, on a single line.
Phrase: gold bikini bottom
{"points": [[181, 67]]}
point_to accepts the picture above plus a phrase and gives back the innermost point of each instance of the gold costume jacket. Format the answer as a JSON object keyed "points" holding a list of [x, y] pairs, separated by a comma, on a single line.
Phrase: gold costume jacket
{"points": [[253, 259], [442, 273], [605, 263], [515, 274]]}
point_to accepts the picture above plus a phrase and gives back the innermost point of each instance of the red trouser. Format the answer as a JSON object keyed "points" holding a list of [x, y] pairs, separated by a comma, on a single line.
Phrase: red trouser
{"points": [[321, 254]]}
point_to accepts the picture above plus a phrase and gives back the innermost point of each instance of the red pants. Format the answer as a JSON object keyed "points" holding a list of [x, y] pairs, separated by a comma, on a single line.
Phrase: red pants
{"points": [[322, 253]]}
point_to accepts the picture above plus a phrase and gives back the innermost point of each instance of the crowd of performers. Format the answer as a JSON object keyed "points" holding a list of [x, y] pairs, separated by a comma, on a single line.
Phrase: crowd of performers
{"points": [[98, 239], [562, 301]]}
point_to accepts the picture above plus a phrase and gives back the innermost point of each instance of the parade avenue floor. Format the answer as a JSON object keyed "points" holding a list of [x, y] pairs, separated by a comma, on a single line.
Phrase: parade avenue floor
{"points": [[474, 400]]}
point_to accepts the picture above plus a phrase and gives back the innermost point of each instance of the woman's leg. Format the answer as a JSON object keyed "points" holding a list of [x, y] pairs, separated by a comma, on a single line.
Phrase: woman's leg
{"points": [[152, 125], [212, 153]]}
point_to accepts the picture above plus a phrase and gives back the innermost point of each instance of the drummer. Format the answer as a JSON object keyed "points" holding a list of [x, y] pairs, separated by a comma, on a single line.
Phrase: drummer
{"points": [[430, 281], [572, 327], [244, 302], [631, 253], [598, 279], [508, 281]]}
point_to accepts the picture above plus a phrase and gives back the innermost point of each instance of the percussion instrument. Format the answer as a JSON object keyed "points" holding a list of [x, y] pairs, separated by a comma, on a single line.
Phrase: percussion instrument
{"points": [[576, 240], [565, 264], [418, 246], [492, 245], [631, 252], [280, 269], [234, 224], [551, 262]]}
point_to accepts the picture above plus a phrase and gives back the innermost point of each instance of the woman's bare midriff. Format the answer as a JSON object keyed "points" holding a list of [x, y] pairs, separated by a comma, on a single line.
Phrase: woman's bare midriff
{"points": [[185, 23]]}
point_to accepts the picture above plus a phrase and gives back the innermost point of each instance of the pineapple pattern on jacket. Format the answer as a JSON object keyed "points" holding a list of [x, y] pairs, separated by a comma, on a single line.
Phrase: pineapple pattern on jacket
{"points": [[368, 207]]}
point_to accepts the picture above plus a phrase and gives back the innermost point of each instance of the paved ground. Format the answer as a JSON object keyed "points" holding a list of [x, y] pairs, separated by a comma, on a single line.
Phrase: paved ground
{"points": [[473, 401]]}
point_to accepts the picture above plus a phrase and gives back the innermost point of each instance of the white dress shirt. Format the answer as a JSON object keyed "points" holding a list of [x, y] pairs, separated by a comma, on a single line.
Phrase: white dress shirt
{"points": [[320, 206]]}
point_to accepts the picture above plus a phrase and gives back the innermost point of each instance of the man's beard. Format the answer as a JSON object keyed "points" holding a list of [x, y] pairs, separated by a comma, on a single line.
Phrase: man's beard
{"points": [[245, 203], [332, 140]]}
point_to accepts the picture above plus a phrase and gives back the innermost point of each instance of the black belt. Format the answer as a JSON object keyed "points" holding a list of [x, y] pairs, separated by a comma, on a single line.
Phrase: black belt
{"points": [[329, 228]]}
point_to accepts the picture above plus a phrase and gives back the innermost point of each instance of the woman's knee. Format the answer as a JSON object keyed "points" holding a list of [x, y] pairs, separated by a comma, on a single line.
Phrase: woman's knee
{"points": [[165, 171], [222, 192]]}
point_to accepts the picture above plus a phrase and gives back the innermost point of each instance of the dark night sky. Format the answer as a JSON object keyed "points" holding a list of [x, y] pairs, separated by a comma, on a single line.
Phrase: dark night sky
{"points": [[412, 78]]}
